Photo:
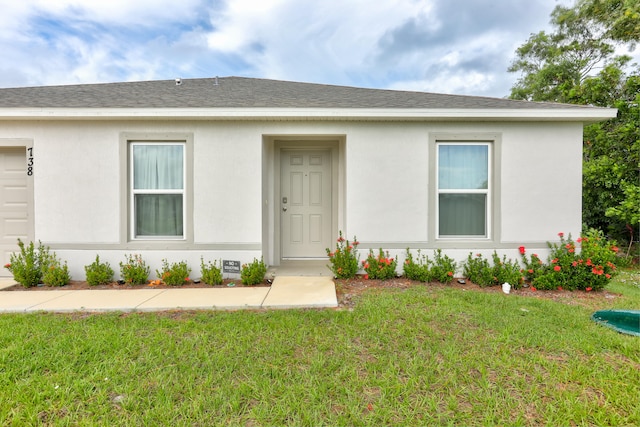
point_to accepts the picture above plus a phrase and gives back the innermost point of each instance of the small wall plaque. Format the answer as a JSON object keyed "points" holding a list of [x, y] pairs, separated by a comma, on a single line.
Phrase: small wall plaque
{"points": [[230, 266]]}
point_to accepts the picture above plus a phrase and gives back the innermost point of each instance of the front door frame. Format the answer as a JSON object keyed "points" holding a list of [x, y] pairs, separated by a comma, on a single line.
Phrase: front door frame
{"points": [[273, 252]]}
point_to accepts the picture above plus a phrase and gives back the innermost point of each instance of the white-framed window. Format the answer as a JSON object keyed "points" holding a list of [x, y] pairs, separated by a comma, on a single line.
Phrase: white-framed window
{"points": [[157, 188], [463, 189]]}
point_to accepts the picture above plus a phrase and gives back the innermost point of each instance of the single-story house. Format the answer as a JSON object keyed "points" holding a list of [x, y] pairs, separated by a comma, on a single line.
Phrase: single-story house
{"points": [[239, 168]]}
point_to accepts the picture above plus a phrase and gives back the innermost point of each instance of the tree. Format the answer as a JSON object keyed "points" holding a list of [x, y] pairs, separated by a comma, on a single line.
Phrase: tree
{"points": [[620, 18], [577, 64], [611, 151]]}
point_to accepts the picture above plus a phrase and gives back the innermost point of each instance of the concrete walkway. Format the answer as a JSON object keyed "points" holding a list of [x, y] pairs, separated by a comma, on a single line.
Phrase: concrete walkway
{"points": [[285, 292]]}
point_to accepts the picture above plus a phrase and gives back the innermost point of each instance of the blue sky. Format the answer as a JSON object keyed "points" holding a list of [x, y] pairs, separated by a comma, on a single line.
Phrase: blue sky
{"points": [[447, 46]]}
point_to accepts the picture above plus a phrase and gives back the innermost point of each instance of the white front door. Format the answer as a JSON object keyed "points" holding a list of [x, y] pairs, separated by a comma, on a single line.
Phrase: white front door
{"points": [[14, 221], [305, 203]]}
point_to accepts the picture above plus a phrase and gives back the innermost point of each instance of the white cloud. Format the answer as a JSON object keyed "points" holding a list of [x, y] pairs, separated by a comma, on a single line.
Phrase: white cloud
{"points": [[74, 41], [118, 12], [308, 41], [241, 23], [460, 83], [454, 46]]}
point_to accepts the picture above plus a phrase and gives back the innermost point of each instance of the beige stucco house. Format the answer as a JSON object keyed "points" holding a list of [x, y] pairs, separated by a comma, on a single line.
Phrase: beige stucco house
{"points": [[235, 168]]}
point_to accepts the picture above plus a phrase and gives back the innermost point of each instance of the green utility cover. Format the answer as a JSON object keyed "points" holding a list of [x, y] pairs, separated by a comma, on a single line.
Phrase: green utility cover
{"points": [[625, 321]]}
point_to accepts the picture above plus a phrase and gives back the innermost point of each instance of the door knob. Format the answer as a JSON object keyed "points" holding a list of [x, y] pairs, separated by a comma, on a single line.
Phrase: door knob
{"points": [[284, 209]]}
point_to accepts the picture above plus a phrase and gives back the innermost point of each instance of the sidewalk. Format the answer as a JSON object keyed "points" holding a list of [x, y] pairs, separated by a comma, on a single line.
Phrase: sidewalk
{"points": [[285, 292]]}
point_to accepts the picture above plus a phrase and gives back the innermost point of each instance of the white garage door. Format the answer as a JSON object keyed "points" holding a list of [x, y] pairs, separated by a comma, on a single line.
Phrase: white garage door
{"points": [[14, 200]]}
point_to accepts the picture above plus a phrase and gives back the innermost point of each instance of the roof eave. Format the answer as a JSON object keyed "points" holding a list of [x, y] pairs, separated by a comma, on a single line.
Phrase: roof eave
{"points": [[581, 114]]}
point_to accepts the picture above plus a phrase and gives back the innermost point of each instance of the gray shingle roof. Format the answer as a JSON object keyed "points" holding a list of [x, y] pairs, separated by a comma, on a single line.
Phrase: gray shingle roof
{"points": [[240, 92]]}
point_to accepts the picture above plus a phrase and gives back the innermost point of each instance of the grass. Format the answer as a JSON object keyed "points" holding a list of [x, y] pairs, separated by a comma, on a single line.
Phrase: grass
{"points": [[402, 357]]}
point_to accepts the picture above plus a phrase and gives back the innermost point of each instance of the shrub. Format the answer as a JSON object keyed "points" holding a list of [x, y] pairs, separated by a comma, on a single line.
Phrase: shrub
{"points": [[533, 267], [546, 282], [595, 246], [444, 267], [418, 269], [134, 271], [381, 267], [28, 266], [211, 272], [441, 269], [174, 274], [624, 261], [98, 273], [56, 274], [591, 268], [507, 271], [478, 270], [482, 273], [344, 260], [253, 273]]}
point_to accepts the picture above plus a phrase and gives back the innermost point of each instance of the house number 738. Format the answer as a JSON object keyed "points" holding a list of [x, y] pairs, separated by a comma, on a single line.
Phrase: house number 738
{"points": [[30, 161]]}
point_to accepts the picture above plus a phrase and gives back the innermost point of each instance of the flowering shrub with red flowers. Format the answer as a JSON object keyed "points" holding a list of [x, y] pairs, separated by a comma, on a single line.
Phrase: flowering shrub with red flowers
{"points": [[418, 268], [174, 274], [589, 267], [533, 266], [443, 267], [344, 259], [421, 268], [381, 267]]}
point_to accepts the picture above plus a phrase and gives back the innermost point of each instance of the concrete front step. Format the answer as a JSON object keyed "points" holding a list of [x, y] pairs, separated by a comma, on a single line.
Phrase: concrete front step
{"points": [[297, 292]]}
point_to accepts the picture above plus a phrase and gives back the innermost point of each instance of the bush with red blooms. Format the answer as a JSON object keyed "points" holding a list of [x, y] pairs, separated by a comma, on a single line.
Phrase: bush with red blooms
{"points": [[381, 267], [589, 266], [344, 259]]}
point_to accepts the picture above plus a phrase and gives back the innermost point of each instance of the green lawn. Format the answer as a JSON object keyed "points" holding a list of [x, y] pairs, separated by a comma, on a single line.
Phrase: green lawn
{"points": [[402, 357]]}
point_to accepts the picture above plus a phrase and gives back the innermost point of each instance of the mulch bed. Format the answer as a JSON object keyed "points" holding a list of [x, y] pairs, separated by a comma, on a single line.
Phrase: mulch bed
{"points": [[349, 290]]}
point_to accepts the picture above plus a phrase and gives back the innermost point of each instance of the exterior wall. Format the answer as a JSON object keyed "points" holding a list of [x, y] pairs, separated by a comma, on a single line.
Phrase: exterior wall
{"points": [[539, 177], [387, 183], [383, 183], [541, 183]]}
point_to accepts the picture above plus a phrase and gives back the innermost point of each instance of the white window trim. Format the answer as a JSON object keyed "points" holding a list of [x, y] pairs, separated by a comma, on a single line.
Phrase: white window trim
{"points": [[133, 192], [489, 191]]}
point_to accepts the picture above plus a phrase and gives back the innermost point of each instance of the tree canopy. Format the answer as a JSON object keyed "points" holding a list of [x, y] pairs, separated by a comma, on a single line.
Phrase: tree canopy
{"points": [[578, 63], [619, 18]]}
